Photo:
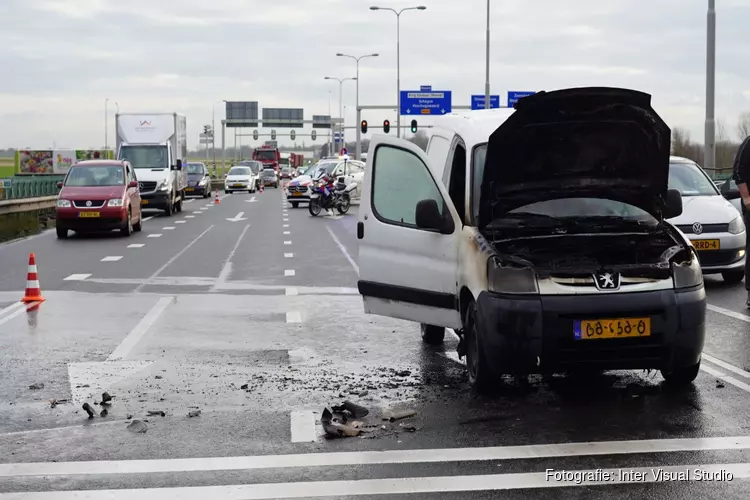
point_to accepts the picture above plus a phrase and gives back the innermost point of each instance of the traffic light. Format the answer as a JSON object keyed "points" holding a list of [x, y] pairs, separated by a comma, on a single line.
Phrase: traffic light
{"points": [[273, 135], [314, 135], [363, 126], [414, 126], [206, 129], [292, 134], [255, 134], [386, 126]]}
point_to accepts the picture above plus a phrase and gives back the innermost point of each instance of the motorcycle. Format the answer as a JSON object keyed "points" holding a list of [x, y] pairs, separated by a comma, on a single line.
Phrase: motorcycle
{"points": [[328, 195]]}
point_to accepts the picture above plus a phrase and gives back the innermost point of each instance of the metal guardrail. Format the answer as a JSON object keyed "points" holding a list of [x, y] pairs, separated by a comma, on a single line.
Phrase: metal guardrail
{"points": [[29, 186], [27, 204]]}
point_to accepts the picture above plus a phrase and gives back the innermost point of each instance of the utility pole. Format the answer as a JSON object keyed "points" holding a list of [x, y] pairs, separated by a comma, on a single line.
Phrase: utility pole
{"points": [[709, 145], [487, 63]]}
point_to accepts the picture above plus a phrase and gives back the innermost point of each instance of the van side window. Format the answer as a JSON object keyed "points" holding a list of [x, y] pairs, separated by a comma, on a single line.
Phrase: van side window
{"points": [[400, 181], [457, 184], [437, 150]]}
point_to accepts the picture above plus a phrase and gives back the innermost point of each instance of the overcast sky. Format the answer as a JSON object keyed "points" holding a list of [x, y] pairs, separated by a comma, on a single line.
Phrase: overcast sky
{"points": [[61, 59]]}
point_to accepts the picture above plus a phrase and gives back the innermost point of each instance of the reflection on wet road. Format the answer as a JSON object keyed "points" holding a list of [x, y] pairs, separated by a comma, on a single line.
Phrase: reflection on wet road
{"points": [[228, 335]]}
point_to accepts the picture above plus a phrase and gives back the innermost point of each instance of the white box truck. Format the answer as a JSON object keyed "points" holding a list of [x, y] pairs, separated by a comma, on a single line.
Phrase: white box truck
{"points": [[155, 144]]}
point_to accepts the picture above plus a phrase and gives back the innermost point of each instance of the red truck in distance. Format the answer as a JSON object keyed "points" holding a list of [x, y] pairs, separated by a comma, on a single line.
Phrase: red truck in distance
{"points": [[269, 156]]}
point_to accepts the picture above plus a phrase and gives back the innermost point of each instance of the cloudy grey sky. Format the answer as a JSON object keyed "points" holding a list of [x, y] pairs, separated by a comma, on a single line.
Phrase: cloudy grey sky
{"points": [[60, 59]]}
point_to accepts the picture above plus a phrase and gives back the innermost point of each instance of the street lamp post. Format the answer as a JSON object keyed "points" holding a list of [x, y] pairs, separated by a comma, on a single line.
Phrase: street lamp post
{"points": [[106, 125], [341, 102], [359, 131], [487, 63], [398, 58], [213, 130], [709, 151]]}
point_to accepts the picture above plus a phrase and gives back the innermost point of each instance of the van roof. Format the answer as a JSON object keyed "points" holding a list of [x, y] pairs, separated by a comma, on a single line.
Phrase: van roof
{"points": [[474, 127]]}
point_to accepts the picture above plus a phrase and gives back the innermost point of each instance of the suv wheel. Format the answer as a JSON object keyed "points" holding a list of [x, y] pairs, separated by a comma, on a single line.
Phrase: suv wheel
{"points": [[62, 233], [682, 376], [733, 277], [431, 334], [480, 372]]}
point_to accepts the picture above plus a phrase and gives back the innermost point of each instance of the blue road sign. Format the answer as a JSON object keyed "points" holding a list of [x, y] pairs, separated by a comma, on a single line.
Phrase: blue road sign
{"points": [[477, 101], [514, 96], [425, 88], [338, 136], [434, 102]]}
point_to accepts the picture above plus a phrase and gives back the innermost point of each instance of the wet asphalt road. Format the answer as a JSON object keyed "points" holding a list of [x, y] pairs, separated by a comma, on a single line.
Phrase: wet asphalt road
{"points": [[183, 320]]}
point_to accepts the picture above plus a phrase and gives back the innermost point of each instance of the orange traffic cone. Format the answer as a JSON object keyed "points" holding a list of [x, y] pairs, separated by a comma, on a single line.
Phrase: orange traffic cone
{"points": [[216, 198], [260, 187], [33, 291]]}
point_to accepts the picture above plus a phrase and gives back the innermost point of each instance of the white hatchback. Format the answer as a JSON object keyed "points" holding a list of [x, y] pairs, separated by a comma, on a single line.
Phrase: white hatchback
{"points": [[713, 224]]}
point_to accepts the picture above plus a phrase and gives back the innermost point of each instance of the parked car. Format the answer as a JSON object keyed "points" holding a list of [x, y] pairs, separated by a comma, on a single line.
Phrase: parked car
{"points": [[199, 180], [99, 195], [268, 177], [540, 235], [714, 226], [241, 178], [300, 189]]}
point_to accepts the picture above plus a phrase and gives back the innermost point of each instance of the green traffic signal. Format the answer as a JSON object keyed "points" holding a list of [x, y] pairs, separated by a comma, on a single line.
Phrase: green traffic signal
{"points": [[414, 126]]}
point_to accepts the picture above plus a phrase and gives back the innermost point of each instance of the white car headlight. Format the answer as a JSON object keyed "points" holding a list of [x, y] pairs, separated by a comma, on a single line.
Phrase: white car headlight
{"points": [[510, 278], [115, 202], [163, 186], [202, 182], [63, 203], [687, 274], [737, 226]]}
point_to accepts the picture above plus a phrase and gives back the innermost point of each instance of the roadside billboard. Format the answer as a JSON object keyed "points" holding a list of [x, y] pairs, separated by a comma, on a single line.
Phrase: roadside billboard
{"points": [[57, 161]]}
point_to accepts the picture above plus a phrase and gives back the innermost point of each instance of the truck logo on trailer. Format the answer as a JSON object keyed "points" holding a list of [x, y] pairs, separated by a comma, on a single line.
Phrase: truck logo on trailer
{"points": [[146, 123], [144, 126]]}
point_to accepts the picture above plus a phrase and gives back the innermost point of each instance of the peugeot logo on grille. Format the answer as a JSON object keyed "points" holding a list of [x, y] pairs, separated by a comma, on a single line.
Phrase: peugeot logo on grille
{"points": [[697, 228], [607, 281], [88, 203]]}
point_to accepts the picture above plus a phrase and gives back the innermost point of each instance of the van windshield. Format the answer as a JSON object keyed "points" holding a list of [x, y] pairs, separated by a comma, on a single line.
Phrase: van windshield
{"points": [[145, 156], [104, 175]]}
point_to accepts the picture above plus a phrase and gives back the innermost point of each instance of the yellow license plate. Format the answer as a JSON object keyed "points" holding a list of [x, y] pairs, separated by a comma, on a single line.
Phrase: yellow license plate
{"points": [[706, 244], [296, 194], [236, 185], [92, 215], [189, 189], [144, 202], [612, 328]]}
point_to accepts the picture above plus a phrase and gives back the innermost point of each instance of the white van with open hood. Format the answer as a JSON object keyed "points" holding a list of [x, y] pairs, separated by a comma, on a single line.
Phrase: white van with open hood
{"points": [[540, 236]]}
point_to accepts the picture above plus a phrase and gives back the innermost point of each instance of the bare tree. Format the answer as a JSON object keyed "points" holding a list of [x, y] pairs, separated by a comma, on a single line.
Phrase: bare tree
{"points": [[743, 126], [721, 132], [420, 139]]}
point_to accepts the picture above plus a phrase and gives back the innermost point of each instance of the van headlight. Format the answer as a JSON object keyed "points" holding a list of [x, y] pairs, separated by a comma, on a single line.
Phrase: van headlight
{"points": [[503, 277], [737, 226], [63, 203], [202, 182], [115, 202], [164, 186], [687, 274]]}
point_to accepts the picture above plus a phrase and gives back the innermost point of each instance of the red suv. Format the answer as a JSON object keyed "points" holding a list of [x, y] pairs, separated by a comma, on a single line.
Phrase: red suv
{"points": [[99, 195]]}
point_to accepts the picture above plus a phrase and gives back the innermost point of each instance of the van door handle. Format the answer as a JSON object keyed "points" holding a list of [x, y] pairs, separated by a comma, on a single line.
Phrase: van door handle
{"points": [[360, 230]]}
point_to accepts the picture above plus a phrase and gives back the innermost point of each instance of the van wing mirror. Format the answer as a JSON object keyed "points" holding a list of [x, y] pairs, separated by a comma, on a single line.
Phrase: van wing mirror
{"points": [[674, 204], [178, 165], [133, 184], [59, 185], [427, 216]]}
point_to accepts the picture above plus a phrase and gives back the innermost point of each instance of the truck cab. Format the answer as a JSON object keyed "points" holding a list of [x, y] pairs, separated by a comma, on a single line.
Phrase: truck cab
{"points": [[268, 156], [540, 236]]}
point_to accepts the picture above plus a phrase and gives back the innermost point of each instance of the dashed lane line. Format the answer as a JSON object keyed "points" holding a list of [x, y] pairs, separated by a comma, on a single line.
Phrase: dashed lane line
{"points": [[111, 258], [289, 272], [167, 228], [343, 250], [727, 312], [287, 242], [303, 427], [226, 269], [291, 291], [77, 277], [154, 235], [287, 232], [145, 219], [180, 221], [294, 317], [136, 245], [289, 255]]}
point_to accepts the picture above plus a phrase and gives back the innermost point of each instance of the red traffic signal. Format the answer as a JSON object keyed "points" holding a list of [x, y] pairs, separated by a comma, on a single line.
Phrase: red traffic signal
{"points": [[363, 126], [386, 126]]}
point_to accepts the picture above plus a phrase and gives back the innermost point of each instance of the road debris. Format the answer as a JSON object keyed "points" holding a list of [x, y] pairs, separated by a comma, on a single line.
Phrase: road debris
{"points": [[156, 412], [106, 398], [137, 426], [87, 407], [339, 426], [37, 386], [193, 413], [353, 410], [55, 402], [104, 413], [719, 384], [393, 415]]}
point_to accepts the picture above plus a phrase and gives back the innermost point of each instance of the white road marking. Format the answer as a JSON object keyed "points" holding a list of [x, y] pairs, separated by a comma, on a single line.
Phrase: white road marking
{"points": [[726, 378], [190, 216], [148, 218], [287, 242], [174, 258], [287, 232], [303, 427], [294, 317], [137, 333], [285, 225], [15, 310], [227, 267], [727, 312], [453, 356], [726, 366], [111, 258], [136, 245], [77, 277], [286, 219], [180, 221], [168, 228], [397, 485], [343, 250], [155, 235], [289, 272], [197, 212], [288, 255], [12, 307], [291, 291], [205, 208], [99, 376], [190, 200], [61, 429], [352, 458]]}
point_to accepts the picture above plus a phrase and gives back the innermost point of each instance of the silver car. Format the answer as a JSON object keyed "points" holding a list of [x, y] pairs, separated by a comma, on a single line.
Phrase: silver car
{"points": [[713, 224]]}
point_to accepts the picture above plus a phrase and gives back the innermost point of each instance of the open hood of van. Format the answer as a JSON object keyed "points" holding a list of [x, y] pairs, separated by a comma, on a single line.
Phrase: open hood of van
{"points": [[584, 142]]}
